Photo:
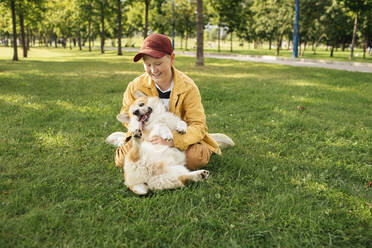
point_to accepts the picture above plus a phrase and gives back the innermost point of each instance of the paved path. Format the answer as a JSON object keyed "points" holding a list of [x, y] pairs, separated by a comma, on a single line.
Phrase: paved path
{"points": [[338, 65]]}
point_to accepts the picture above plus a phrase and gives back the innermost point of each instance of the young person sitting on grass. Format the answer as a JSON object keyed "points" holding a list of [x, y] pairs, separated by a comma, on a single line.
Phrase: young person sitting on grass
{"points": [[179, 94]]}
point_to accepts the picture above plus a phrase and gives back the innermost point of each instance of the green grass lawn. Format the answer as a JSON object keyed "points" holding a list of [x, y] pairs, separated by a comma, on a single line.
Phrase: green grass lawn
{"points": [[296, 177]]}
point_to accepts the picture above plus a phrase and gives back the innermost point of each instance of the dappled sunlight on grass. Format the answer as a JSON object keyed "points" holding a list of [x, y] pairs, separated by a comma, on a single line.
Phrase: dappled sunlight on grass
{"points": [[322, 86], [228, 76], [302, 99], [52, 139], [93, 109], [308, 184], [13, 99], [22, 101], [71, 107], [286, 113], [303, 83]]}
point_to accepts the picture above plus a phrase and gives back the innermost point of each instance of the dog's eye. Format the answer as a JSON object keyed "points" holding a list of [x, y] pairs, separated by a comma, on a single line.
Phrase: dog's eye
{"points": [[141, 104]]}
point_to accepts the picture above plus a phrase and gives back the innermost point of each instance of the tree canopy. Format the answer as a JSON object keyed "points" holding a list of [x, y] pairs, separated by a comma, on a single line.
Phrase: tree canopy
{"points": [[336, 23]]}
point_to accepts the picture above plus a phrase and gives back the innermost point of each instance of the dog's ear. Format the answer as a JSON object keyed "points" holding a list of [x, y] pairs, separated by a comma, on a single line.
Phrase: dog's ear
{"points": [[137, 94], [127, 139], [124, 118]]}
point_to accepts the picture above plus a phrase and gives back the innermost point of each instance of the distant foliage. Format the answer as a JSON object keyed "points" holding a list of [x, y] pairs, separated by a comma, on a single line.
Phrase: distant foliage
{"points": [[335, 23]]}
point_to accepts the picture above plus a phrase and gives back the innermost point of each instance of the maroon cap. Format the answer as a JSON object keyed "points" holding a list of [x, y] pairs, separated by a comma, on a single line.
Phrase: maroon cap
{"points": [[155, 45]]}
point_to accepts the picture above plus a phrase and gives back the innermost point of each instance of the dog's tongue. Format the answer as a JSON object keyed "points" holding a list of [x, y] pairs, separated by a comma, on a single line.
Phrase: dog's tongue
{"points": [[142, 121]]}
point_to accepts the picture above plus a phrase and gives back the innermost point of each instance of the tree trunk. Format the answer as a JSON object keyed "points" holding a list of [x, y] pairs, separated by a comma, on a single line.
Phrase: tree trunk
{"points": [[119, 28], [231, 42], [187, 37], [199, 34], [219, 38], [333, 47], [145, 30], [279, 44], [22, 25], [79, 40], [103, 28], [365, 44], [28, 39], [270, 42], [354, 35], [303, 51], [55, 40], [15, 52], [89, 31]]}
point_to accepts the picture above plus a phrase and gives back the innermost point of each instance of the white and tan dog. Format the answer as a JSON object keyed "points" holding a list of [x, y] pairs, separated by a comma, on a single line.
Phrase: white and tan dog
{"points": [[153, 167]]}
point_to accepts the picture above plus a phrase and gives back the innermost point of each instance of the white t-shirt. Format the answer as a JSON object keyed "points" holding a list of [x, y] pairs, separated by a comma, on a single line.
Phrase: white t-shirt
{"points": [[164, 95]]}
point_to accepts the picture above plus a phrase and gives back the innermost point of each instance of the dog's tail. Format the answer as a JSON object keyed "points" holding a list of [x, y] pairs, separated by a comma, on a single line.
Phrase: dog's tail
{"points": [[116, 139], [222, 140]]}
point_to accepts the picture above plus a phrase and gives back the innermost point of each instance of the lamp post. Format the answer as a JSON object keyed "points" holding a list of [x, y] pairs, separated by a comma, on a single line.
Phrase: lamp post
{"points": [[296, 35]]}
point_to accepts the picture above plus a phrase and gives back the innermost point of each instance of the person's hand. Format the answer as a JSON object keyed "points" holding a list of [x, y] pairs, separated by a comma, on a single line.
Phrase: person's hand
{"points": [[157, 140]]}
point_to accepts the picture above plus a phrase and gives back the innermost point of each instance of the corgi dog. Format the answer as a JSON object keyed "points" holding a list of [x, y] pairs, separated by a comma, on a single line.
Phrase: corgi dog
{"points": [[148, 166]]}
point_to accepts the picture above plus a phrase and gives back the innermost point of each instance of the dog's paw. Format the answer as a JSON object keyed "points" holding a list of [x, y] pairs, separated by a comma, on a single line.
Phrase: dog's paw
{"points": [[137, 134], [181, 127], [204, 174], [140, 189], [199, 175]]}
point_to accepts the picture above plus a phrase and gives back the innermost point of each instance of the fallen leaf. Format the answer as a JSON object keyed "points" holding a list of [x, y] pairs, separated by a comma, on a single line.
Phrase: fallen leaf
{"points": [[300, 108]]}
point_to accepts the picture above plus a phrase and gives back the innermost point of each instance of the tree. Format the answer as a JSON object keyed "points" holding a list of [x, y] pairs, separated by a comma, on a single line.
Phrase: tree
{"points": [[336, 24], [160, 18], [119, 27], [86, 13], [199, 34], [22, 25], [184, 18], [135, 17], [15, 52], [366, 28], [356, 7], [60, 20], [145, 30], [311, 12], [5, 23], [102, 8], [214, 19], [230, 13], [273, 18]]}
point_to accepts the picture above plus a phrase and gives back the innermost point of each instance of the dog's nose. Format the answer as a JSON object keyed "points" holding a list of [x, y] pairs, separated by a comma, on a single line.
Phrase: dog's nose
{"points": [[136, 112]]}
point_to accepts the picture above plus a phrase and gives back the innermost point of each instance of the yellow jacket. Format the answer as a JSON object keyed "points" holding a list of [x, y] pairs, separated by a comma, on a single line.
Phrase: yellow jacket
{"points": [[185, 102]]}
